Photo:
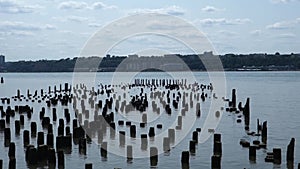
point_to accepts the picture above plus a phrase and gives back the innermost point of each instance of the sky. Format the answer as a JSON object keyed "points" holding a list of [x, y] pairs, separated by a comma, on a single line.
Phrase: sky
{"points": [[56, 29]]}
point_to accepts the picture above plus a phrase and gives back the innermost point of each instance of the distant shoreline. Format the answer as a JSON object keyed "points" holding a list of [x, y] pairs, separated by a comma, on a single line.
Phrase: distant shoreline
{"points": [[167, 63]]}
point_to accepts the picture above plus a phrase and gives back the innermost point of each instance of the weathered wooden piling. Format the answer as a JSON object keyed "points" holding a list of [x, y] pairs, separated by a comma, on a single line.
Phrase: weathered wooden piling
{"points": [[129, 153], [12, 150], [151, 132], [103, 150], [33, 128], [133, 131], [144, 141], [215, 162], [26, 138], [185, 159], [179, 123], [217, 148], [144, 118], [192, 147], [153, 156], [12, 163], [89, 166], [112, 129], [252, 153], [2, 124], [7, 137], [100, 136], [195, 136], [82, 146], [17, 127], [290, 151], [246, 112], [233, 98], [166, 144], [51, 158], [22, 120], [60, 130], [60, 159], [277, 155], [50, 140], [40, 138], [198, 110], [264, 133], [31, 155], [54, 116], [122, 138], [171, 135], [42, 152], [7, 119]]}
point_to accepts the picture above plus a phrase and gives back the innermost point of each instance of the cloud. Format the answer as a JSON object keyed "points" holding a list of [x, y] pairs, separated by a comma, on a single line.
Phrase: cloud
{"points": [[22, 26], [222, 21], [226, 33], [94, 25], [77, 5], [210, 9], [71, 18], [101, 5], [256, 32], [284, 24], [77, 18], [171, 10], [16, 33], [10, 6], [280, 25], [72, 5], [286, 36], [164, 25]]}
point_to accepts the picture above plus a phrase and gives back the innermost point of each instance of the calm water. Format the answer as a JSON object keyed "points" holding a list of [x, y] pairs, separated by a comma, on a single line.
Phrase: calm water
{"points": [[274, 96]]}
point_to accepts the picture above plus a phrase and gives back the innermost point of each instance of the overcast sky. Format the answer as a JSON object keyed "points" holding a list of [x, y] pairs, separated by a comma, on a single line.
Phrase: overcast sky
{"points": [[55, 29]]}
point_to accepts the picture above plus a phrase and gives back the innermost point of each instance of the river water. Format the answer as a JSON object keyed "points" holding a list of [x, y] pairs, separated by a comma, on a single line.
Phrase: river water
{"points": [[274, 97]]}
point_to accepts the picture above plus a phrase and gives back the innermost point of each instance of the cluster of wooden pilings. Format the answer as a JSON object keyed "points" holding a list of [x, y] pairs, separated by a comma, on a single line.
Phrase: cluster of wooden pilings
{"points": [[261, 132], [169, 99], [95, 111]]}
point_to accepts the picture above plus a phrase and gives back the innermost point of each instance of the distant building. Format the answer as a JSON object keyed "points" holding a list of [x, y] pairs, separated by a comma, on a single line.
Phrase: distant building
{"points": [[2, 59]]}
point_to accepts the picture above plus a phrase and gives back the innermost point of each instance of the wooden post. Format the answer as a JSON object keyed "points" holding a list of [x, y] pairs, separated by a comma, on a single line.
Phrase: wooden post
{"points": [[144, 142], [185, 159], [153, 156], [7, 137], [216, 162], [133, 131], [171, 135], [89, 166], [12, 150], [103, 150], [122, 138], [61, 159], [17, 127], [252, 153], [129, 153], [290, 151], [51, 158], [277, 155], [40, 139], [192, 147], [264, 134], [33, 129], [166, 144]]}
